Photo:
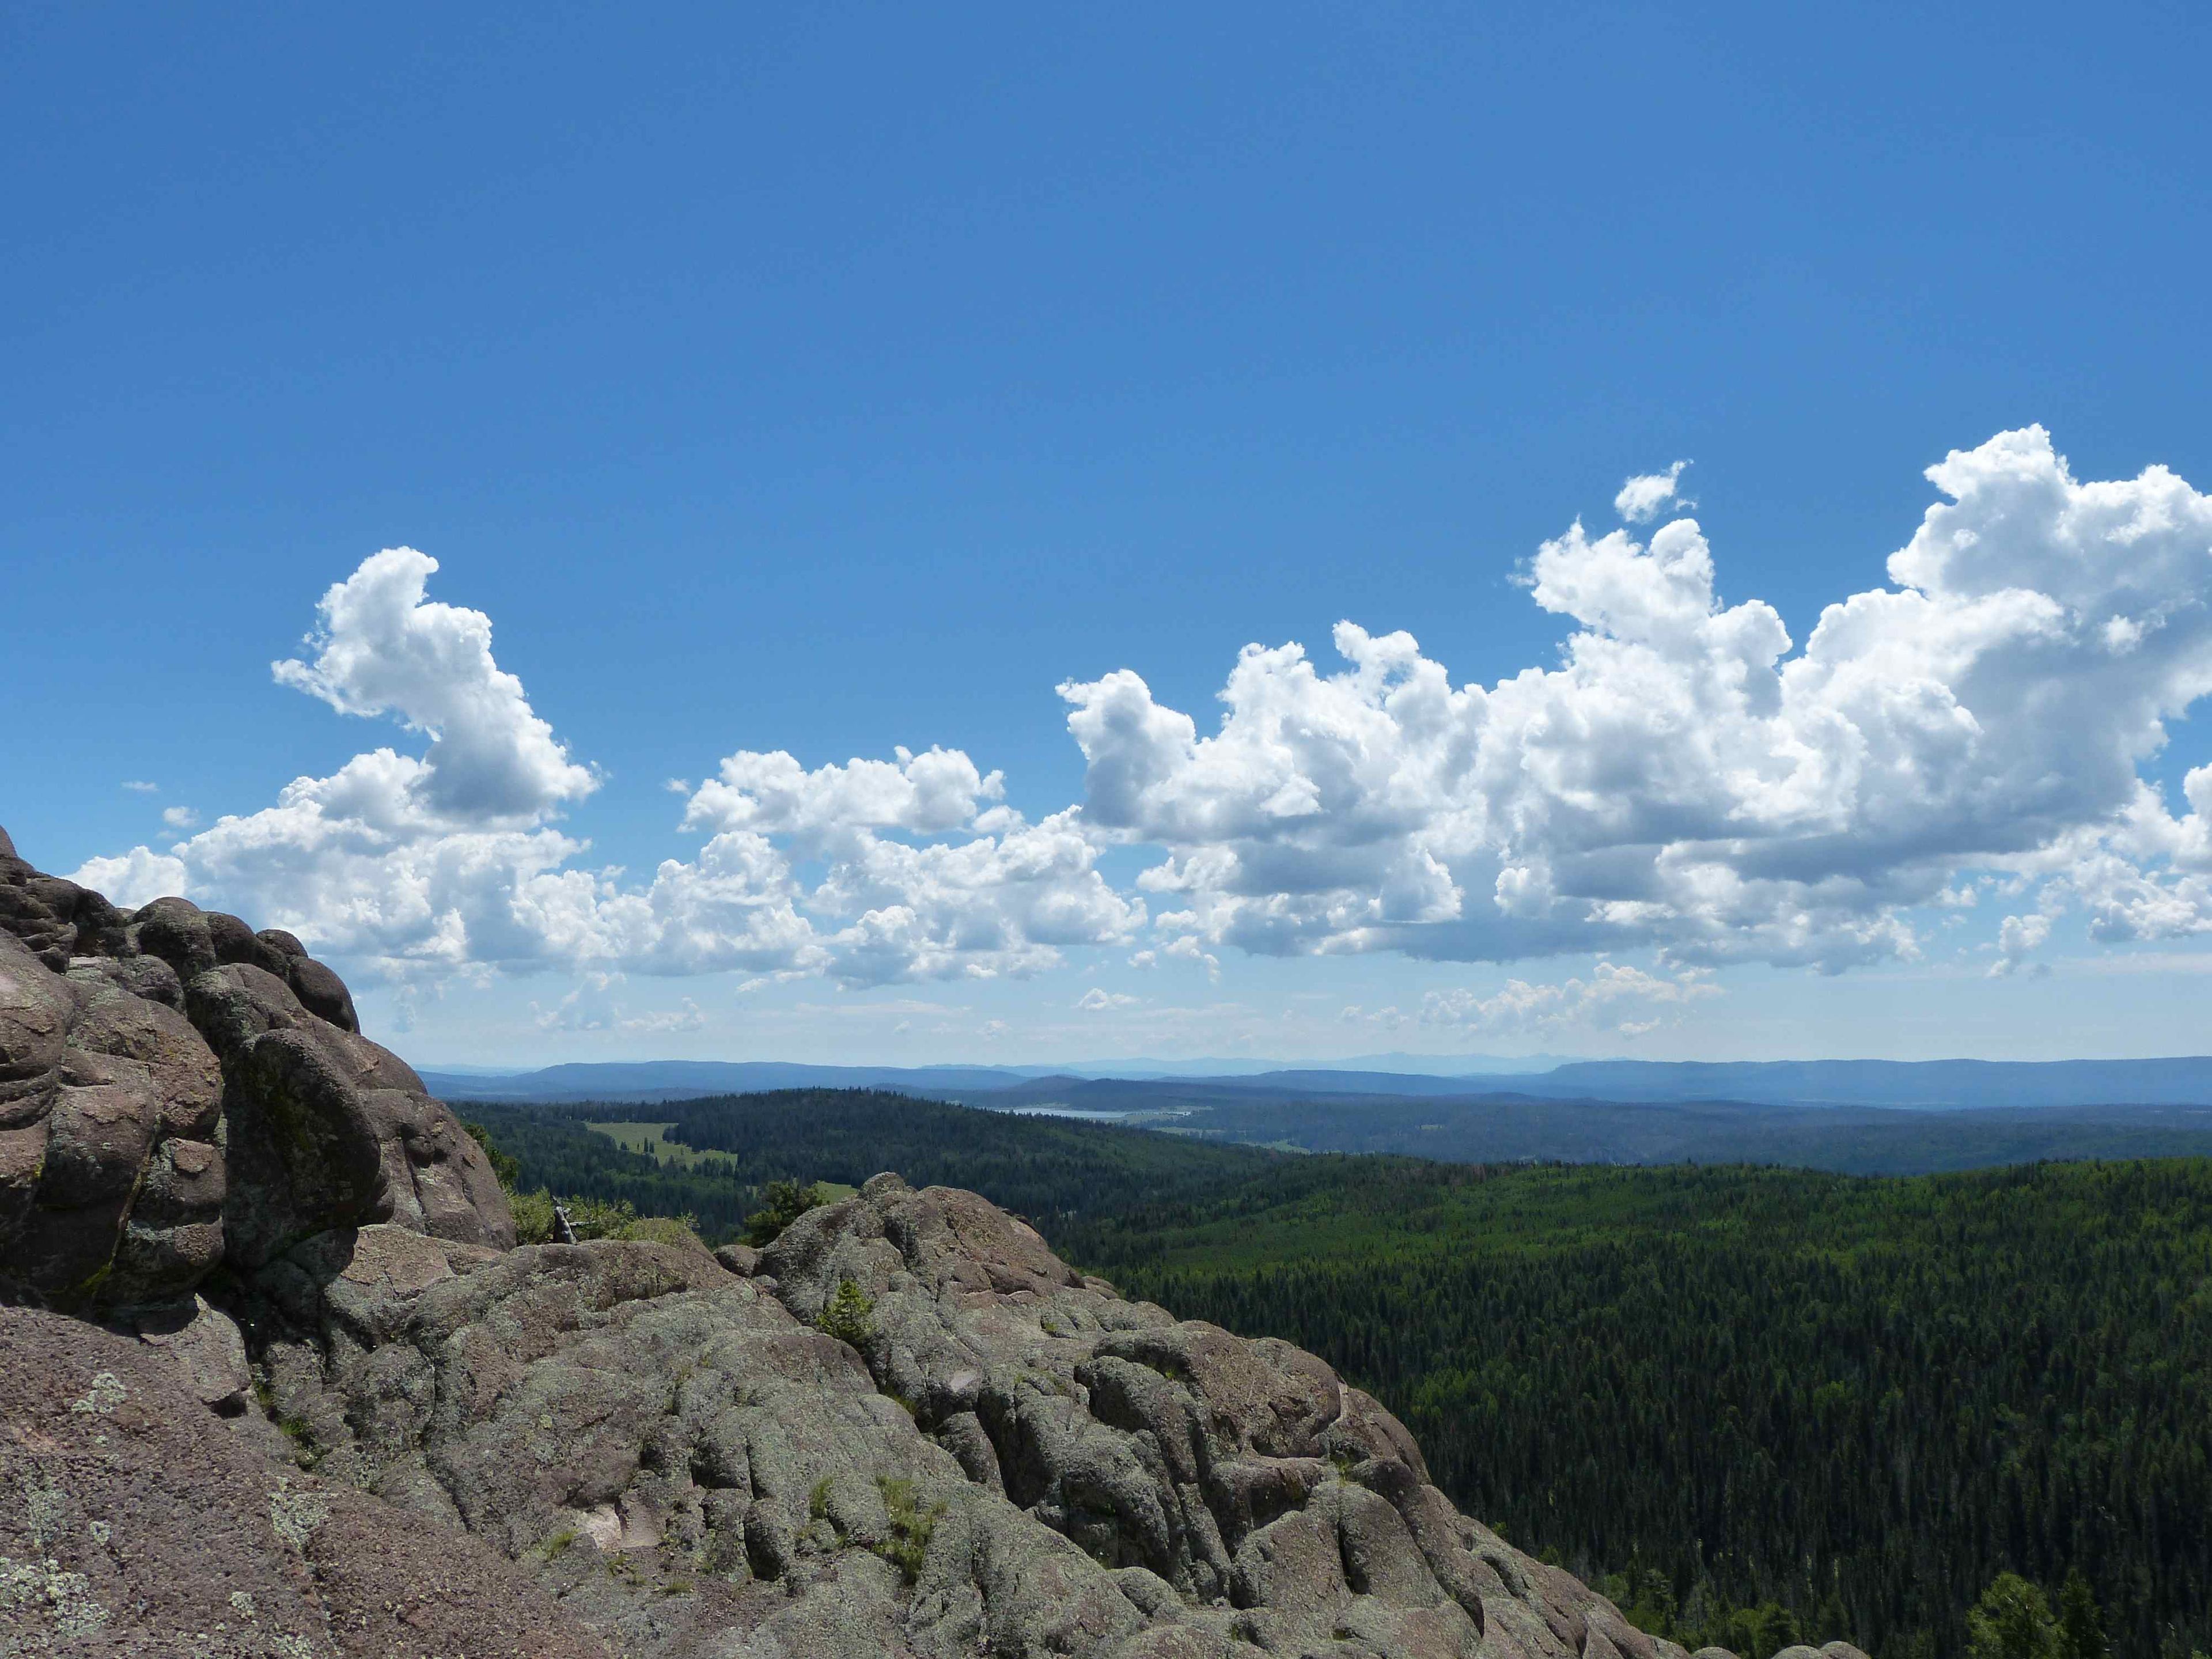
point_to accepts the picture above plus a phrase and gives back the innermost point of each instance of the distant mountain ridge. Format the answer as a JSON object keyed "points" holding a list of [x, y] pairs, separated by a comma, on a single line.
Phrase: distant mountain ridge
{"points": [[2180, 1081], [1933, 1085], [672, 1079]]}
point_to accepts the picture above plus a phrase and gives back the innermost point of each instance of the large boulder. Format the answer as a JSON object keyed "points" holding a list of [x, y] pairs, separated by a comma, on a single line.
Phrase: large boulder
{"points": [[681, 1460], [177, 1090], [111, 1172]]}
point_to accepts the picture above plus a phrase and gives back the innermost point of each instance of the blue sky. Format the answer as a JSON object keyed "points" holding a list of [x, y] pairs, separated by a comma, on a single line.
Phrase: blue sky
{"points": [[821, 385]]}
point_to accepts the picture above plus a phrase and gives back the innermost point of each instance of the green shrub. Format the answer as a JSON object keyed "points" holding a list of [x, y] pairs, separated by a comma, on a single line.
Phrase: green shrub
{"points": [[596, 1218], [912, 1525], [665, 1229], [534, 1217], [786, 1201], [848, 1314]]}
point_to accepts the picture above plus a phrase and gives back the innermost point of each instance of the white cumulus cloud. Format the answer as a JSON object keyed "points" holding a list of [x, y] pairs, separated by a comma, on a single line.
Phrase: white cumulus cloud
{"points": [[441, 861], [2018, 937], [451, 860], [937, 790], [1641, 497], [1685, 779], [1681, 780], [384, 648]]}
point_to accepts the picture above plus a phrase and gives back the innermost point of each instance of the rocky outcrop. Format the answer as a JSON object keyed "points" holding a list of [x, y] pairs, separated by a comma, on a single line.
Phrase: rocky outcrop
{"points": [[1240, 1476], [177, 1091], [992, 1454], [333, 1411]]}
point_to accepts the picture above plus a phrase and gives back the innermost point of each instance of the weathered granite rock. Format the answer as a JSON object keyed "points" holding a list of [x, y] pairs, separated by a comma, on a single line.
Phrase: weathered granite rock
{"points": [[328, 1130], [208, 1349], [1011, 1461], [111, 1172], [1236, 1472], [131, 1522], [176, 1090], [688, 1466]]}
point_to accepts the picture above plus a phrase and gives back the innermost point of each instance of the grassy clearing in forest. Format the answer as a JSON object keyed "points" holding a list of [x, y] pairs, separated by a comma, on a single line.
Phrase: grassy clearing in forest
{"points": [[651, 1140]]}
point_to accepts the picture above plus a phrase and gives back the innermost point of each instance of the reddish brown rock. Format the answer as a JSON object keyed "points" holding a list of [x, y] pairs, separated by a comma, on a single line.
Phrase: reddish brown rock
{"points": [[136, 1523], [177, 1090]]}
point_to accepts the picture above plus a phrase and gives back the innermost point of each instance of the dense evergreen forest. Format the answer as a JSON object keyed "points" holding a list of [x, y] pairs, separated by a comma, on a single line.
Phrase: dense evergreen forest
{"points": [[1051, 1170], [1759, 1404], [1859, 1399]]}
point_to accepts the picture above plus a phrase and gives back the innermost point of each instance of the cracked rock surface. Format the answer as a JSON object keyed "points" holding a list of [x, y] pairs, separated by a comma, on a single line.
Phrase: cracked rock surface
{"points": [[133, 1522], [1008, 1459]]}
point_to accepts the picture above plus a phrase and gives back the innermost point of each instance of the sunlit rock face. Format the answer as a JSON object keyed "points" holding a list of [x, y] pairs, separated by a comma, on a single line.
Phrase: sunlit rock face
{"points": [[983, 1452]]}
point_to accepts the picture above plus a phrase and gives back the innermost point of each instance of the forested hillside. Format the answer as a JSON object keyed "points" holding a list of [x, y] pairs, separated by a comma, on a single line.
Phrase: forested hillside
{"points": [[1861, 1398], [1050, 1170]]}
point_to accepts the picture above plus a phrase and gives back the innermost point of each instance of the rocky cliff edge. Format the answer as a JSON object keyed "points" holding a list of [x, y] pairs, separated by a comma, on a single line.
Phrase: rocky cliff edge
{"points": [[276, 1381]]}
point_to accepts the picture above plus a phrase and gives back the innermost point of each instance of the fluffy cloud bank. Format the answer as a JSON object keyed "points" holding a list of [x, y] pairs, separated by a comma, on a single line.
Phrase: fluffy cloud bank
{"points": [[1682, 781], [1685, 781], [453, 862]]}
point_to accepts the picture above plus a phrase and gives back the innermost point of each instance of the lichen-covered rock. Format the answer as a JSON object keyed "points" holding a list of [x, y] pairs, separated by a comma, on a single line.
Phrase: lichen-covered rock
{"points": [[177, 1090], [208, 1349], [1239, 1473], [684, 1462], [1003, 1457], [131, 1522]]}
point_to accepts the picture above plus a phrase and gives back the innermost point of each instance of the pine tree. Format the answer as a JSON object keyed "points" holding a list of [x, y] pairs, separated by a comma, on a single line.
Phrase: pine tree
{"points": [[2081, 1621], [2011, 1621]]}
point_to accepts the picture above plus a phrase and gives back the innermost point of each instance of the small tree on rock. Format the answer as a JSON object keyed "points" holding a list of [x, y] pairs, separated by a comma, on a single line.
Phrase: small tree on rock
{"points": [[848, 1314], [784, 1202]]}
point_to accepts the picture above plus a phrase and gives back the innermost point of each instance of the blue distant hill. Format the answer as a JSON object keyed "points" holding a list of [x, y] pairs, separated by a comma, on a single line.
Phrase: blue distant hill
{"points": [[675, 1079], [1922, 1082], [1932, 1085]]}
